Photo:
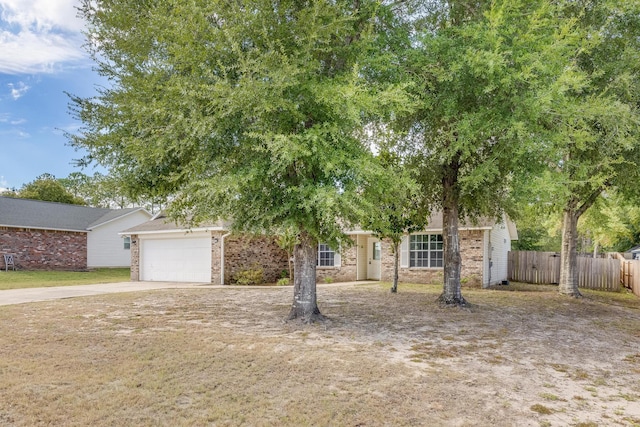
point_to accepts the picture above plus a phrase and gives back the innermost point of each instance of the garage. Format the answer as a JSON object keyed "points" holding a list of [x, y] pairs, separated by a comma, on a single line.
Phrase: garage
{"points": [[171, 259]]}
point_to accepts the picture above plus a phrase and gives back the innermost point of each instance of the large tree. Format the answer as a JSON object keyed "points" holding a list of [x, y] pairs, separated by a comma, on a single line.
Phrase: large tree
{"points": [[247, 110], [47, 188], [477, 68], [592, 119], [399, 207]]}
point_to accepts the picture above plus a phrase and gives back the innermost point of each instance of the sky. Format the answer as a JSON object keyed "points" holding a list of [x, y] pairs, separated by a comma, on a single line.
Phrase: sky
{"points": [[41, 58]]}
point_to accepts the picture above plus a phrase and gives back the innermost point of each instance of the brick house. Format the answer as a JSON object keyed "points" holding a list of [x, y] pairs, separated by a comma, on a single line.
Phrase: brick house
{"points": [[57, 236], [162, 251]]}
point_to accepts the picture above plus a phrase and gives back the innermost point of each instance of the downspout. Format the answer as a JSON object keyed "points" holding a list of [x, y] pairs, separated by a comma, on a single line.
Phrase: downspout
{"points": [[222, 257]]}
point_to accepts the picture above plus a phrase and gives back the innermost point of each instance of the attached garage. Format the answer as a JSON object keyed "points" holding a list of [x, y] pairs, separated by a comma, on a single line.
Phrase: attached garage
{"points": [[171, 258]]}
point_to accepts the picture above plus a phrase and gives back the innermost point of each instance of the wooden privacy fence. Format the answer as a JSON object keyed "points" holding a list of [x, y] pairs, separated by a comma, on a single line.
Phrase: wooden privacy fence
{"points": [[544, 267], [630, 274], [534, 267]]}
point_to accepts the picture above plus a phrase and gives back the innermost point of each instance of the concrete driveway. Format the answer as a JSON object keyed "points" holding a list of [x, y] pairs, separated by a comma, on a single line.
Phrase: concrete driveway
{"points": [[20, 296]]}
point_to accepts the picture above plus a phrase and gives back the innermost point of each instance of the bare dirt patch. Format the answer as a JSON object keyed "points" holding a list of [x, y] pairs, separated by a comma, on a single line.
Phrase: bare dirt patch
{"points": [[225, 357]]}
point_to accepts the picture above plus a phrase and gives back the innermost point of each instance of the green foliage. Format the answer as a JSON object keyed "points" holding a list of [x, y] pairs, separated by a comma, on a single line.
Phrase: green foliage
{"points": [[9, 193], [286, 240], [613, 223], [284, 281], [592, 117], [399, 200], [240, 110], [477, 78], [107, 191], [249, 276], [590, 126], [328, 279], [47, 188], [477, 70]]}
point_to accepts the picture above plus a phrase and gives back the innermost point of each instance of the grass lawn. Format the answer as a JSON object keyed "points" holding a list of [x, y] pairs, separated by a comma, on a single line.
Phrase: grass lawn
{"points": [[37, 279], [518, 356]]}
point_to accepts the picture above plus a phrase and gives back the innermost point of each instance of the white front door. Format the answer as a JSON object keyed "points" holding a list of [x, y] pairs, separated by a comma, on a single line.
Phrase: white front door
{"points": [[374, 253]]}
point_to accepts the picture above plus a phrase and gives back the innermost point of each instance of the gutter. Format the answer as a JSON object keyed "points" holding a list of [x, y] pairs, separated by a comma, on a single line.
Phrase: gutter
{"points": [[29, 227]]}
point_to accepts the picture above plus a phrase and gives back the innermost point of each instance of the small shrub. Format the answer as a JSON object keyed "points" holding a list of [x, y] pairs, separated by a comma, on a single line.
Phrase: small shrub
{"points": [[472, 281], [284, 274], [328, 279], [250, 276], [541, 409], [283, 282]]}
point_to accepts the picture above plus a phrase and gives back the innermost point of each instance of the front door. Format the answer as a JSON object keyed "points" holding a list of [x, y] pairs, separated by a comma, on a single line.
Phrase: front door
{"points": [[374, 253]]}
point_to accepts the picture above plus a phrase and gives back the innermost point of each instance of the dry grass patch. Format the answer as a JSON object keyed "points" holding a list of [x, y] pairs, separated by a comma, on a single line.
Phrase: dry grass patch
{"points": [[225, 357]]}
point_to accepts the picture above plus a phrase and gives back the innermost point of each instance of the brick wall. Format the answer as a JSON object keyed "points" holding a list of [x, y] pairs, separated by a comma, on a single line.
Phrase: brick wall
{"points": [[44, 249], [135, 258], [249, 252], [471, 252], [347, 272], [216, 252]]}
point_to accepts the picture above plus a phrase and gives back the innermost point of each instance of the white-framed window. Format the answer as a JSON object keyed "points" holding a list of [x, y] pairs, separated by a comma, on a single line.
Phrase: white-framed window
{"points": [[326, 256], [127, 243], [425, 250]]}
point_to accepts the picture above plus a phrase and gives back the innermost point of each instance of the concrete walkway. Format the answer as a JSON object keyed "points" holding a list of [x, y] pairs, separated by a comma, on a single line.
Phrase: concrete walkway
{"points": [[21, 296]]}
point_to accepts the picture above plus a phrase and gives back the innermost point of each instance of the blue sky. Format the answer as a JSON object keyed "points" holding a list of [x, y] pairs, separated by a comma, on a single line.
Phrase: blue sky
{"points": [[41, 57]]}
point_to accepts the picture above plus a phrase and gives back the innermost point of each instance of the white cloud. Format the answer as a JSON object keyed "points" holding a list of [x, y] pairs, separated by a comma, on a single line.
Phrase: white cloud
{"points": [[39, 35], [18, 90], [6, 118], [44, 15]]}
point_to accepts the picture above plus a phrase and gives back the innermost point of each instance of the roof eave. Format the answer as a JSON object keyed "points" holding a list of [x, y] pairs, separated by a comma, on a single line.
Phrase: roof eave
{"points": [[172, 231], [72, 230]]}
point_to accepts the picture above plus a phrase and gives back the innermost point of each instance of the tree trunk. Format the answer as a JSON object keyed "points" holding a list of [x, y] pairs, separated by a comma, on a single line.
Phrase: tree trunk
{"points": [[396, 260], [452, 291], [304, 305], [568, 256]]}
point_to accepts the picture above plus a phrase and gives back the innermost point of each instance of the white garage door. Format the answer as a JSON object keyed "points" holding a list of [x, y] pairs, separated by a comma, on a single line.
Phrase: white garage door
{"points": [[185, 259]]}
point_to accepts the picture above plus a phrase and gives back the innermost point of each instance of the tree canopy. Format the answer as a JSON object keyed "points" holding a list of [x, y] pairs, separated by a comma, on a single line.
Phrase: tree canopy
{"points": [[258, 111], [477, 70], [248, 110], [591, 122], [46, 188]]}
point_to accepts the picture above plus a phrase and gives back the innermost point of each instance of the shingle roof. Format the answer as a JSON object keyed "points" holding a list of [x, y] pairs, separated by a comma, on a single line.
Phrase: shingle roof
{"points": [[27, 213]]}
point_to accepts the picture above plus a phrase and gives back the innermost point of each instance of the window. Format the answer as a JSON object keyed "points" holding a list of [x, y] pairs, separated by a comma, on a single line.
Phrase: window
{"points": [[425, 250], [376, 251], [326, 256], [127, 243]]}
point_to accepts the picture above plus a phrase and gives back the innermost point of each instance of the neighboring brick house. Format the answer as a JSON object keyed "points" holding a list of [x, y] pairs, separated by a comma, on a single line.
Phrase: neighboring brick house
{"points": [[58, 236], [162, 251]]}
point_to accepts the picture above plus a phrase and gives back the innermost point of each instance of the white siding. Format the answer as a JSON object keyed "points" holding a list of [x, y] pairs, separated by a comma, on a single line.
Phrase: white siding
{"points": [[105, 248], [485, 257], [498, 247]]}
